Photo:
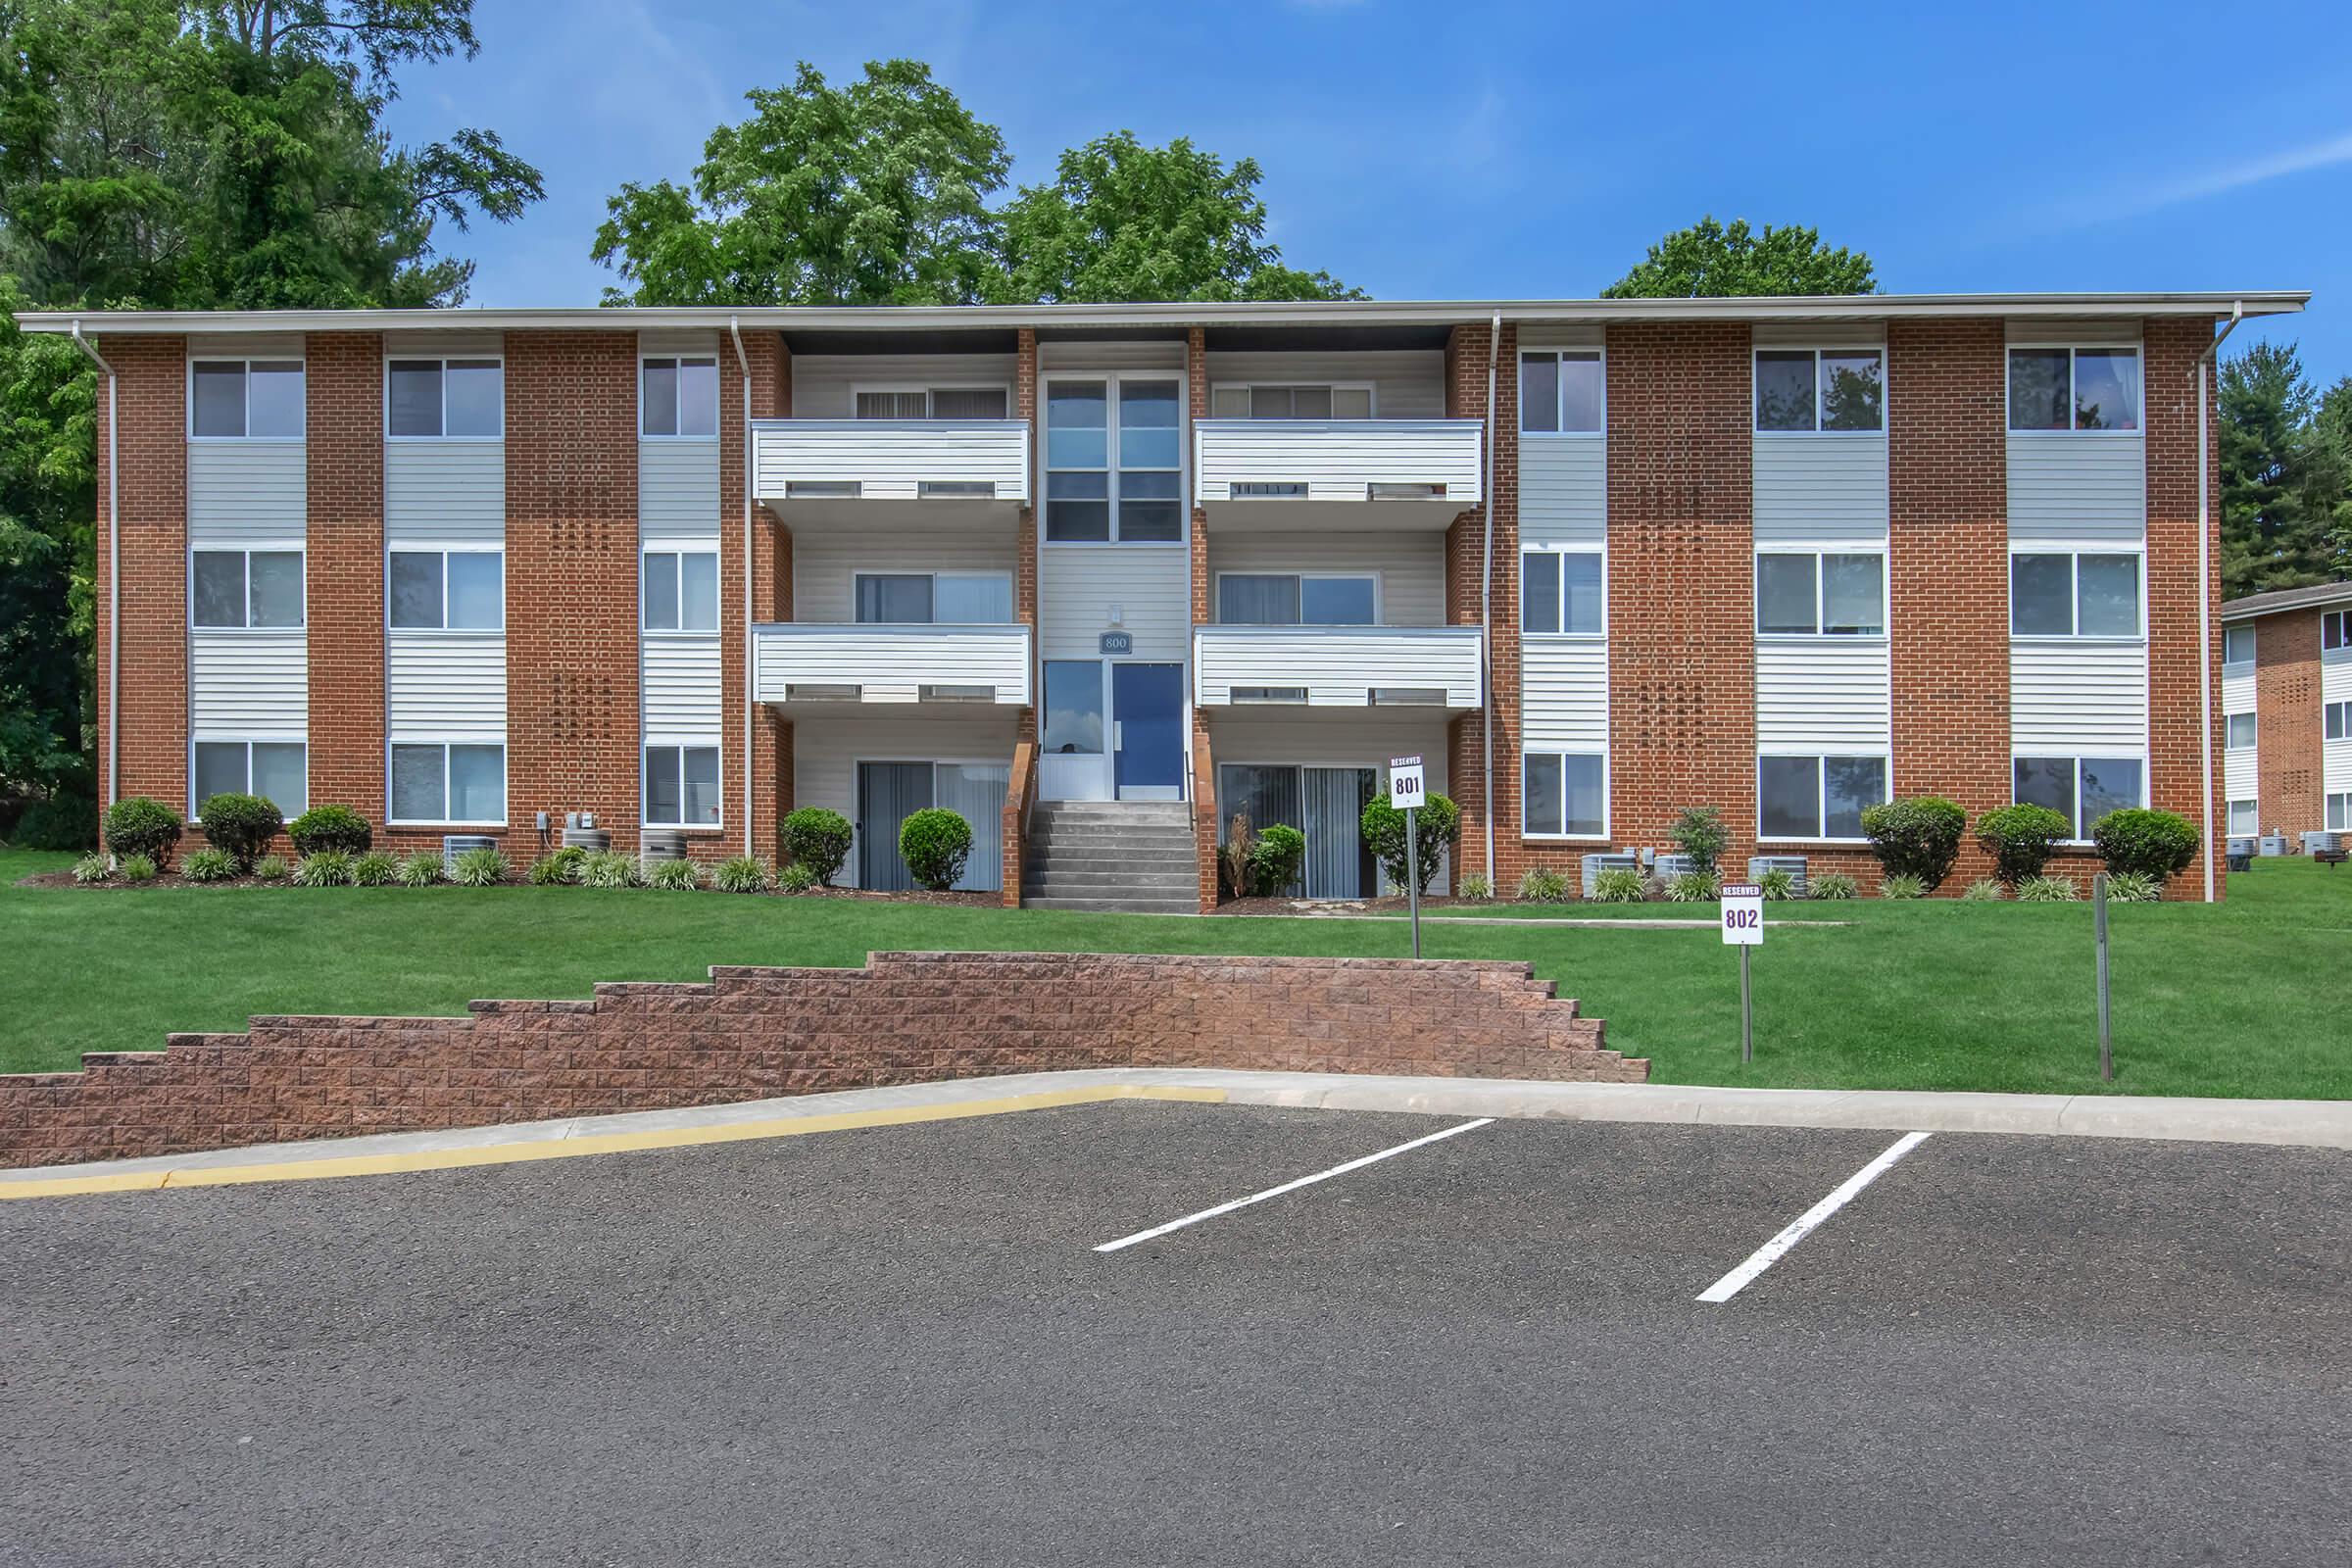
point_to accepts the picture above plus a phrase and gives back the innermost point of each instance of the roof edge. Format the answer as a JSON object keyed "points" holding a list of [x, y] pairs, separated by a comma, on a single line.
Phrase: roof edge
{"points": [[2315, 595]]}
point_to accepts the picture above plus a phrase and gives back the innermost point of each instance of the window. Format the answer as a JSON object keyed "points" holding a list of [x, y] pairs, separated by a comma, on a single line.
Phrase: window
{"points": [[680, 590], [247, 589], [1560, 392], [2073, 595], [452, 590], [1807, 594], [2245, 821], [278, 771], [1837, 390], [931, 403], [681, 786], [2339, 812], [677, 397], [1559, 592], [1295, 599], [2339, 721], [1322, 402], [2081, 789], [254, 399], [944, 598], [1817, 796], [456, 784], [457, 399], [2237, 645], [1087, 451], [1566, 794], [2240, 731], [2073, 389], [1073, 707], [2335, 629]]}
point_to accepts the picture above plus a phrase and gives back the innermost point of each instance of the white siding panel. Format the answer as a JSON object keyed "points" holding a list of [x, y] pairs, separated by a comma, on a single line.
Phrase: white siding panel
{"points": [[2238, 689], [1564, 489], [1140, 354], [1827, 693], [1564, 693], [677, 489], [1818, 334], [2068, 697], [826, 753], [2070, 488], [1339, 665], [681, 340], [2336, 764], [1337, 458], [247, 492], [1820, 489], [245, 684], [890, 664], [891, 458], [445, 492], [2239, 775], [1406, 383], [246, 346], [446, 685], [680, 689], [2335, 760], [1410, 566], [2071, 330], [473, 345], [826, 561], [2335, 675], [823, 385], [1152, 584]]}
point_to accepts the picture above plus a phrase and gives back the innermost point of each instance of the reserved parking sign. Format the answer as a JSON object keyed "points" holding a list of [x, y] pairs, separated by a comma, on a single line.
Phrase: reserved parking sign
{"points": [[1744, 914]]}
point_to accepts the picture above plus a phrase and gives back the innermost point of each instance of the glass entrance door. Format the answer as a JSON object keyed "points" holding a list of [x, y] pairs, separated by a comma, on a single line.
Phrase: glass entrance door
{"points": [[1147, 710]]}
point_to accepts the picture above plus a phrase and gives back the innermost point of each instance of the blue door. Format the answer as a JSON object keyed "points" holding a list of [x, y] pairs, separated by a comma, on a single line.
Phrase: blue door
{"points": [[1147, 710]]}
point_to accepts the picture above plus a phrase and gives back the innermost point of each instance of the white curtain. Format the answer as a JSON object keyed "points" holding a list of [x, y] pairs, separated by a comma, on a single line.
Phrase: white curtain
{"points": [[976, 792]]}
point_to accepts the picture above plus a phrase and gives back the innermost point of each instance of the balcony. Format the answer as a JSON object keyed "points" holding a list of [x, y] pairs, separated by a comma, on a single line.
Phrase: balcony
{"points": [[811, 667], [834, 470], [1337, 474], [1338, 667]]}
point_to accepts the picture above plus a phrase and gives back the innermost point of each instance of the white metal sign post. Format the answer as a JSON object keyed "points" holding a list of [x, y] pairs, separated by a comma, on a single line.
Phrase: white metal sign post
{"points": [[1743, 928], [1406, 793]]}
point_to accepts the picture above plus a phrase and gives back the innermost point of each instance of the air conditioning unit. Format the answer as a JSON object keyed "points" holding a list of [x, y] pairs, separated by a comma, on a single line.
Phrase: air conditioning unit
{"points": [[2320, 842], [2274, 843], [658, 844], [454, 844], [2242, 847], [1794, 864], [1669, 867], [595, 840], [1594, 865]]}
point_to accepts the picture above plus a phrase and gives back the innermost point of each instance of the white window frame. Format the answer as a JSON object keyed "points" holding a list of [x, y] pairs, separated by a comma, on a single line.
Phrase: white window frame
{"points": [[1379, 609], [445, 628], [2230, 819], [2230, 742], [2335, 721], [1112, 381], [2246, 627], [496, 356], [248, 551], [1599, 357], [2337, 811], [2140, 414], [681, 359], [678, 586], [2080, 837], [1755, 410], [1370, 390], [1012, 587], [1563, 752], [506, 783], [2341, 622], [645, 783], [1538, 548], [249, 742], [1820, 792], [246, 363], [1821, 588], [2073, 598]]}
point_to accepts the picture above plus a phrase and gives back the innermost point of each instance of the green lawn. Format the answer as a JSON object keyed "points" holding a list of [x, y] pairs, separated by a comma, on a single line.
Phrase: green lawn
{"points": [[2248, 999]]}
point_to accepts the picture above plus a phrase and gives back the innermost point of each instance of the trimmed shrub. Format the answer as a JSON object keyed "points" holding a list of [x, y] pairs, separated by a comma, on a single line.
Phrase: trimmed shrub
{"points": [[744, 873], [1276, 860], [92, 869], [817, 839], [329, 868], [241, 824], [1903, 885], [2020, 839], [1438, 825], [143, 826], [2132, 887], [137, 868], [330, 827], [422, 869], [65, 820], [797, 877], [273, 868], [1986, 888], [678, 876], [1699, 833], [1544, 884], [2149, 844], [1693, 887], [374, 869], [2046, 890], [557, 870], [206, 864], [935, 843], [1475, 885], [1620, 884], [478, 868], [611, 869], [1916, 837], [1834, 885], [1777, 885]]}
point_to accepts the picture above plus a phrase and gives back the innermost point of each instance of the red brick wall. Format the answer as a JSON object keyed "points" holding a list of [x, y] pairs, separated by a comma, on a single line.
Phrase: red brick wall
{"points": [[1205, 773], [344, 382], [905, 1017], [770, 565], [2176, 634], [153, 455], [1467, 357], [2289, 724]]}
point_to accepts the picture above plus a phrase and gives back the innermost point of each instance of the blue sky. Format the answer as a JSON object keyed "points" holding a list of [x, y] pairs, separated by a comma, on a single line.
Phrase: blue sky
{"points": [[1480, 151]]}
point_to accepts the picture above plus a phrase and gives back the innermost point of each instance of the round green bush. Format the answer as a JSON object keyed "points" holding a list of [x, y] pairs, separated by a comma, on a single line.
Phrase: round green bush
{"points": [[1919, 836], [206, 864], [241, 824], [65, 820], [272, 868], [374, 869], [798, 877], [1544, 884], [817, 839], [329, 868], [91, 868], [2151, 844], [1439, 826], [1275, 860], [330, 827], [743, 874], [679, 876], [421, 869], [143, 826], [2020, 839], [935, 844]]}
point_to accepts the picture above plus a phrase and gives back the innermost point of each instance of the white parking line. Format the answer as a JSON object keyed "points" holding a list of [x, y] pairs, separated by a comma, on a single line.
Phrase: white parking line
{"points": [[1289, 1187], [1771, 1253]]}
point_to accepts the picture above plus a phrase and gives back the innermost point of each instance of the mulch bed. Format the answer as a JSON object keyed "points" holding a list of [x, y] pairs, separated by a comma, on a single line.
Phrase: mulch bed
{"points": [[1313, 906], [65, 879]]}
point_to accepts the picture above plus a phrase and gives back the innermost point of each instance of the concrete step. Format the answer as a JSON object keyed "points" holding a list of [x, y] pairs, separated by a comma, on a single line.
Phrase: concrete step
{"points": [[1115, 906], [1141, 866], [1058, 880], [1180, 849], [1175, 812]]}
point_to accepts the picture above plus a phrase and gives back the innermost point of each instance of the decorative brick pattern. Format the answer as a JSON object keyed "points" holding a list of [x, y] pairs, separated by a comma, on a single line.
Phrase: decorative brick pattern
{"points": [[2290, 775], [152, 390], [2176, 758], [750, 1034], [344, 386]]}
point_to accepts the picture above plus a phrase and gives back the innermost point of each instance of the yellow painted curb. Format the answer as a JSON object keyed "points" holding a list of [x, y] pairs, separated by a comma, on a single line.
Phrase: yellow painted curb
{"points": [[304, 1171]]}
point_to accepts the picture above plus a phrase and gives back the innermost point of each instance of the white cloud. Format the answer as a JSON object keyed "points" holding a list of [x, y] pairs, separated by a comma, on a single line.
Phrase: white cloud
{"points": [[2121, 200]]}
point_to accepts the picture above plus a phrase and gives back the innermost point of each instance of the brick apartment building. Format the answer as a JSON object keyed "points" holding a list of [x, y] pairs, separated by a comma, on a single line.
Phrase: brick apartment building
{"points": [[1595, 559], [2287, 706]]}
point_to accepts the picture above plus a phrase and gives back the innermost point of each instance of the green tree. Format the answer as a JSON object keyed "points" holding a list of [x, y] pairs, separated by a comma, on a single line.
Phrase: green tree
{"points": [[2283, 474], [1121, 220], [1709, 261], [871, 194]]}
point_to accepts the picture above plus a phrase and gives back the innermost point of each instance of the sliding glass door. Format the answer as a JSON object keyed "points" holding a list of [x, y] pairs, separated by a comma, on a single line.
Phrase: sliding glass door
{"points": [[1326, 804], [889, 793]]}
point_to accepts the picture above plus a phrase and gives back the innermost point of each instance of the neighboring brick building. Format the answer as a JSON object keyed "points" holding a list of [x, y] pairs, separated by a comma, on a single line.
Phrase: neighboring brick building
{"points": [[2286, 700], [1596, 560]]}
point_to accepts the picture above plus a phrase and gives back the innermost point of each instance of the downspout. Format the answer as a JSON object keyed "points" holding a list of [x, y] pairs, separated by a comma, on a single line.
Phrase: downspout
{"points": [[114, 573], [1486, 602], [2238, 314], [751, 686]]}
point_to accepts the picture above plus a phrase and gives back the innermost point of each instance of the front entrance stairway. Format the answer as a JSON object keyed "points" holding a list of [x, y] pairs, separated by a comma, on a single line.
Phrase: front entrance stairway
{"points": [[1111, 857]]}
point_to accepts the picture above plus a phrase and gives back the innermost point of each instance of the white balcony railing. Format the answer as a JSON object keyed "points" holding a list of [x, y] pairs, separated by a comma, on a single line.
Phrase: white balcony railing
{"points": [[806, 664], [1338, 667], [1430, 464], [834, 461]]}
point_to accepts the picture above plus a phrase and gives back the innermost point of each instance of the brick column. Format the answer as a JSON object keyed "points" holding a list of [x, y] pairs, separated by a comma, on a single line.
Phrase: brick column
{"points": [[1205, 773], [153, 458], [1681, 581], [344, 382], [771, 565], [1948, 454], [572, 581], [1466, 548], [2176, 755], [2289, 724], [1024, 542]]}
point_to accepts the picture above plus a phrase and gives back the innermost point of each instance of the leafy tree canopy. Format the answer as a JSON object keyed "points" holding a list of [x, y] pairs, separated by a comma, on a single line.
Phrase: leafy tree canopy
{"points": [[2287, 475], [1711, 261]]}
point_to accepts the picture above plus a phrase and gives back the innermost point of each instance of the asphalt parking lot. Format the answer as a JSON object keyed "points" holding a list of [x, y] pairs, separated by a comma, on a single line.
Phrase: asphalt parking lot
{"points": [[906, 1346]]}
